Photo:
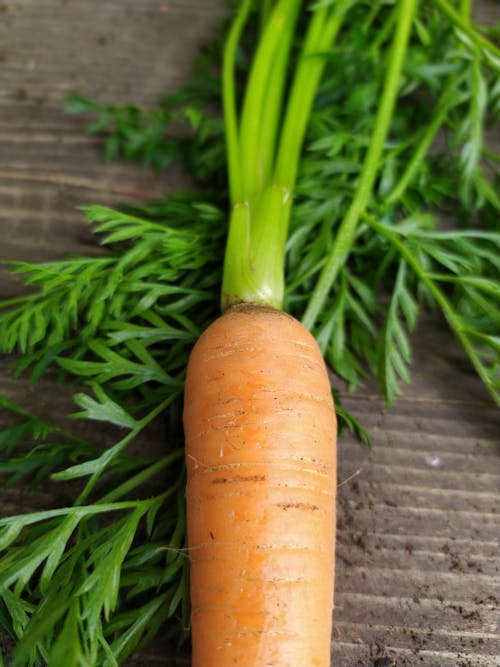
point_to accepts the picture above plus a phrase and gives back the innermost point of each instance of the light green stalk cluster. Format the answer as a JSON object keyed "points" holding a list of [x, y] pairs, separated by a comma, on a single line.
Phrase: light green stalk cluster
{"points": [[264, 143]]}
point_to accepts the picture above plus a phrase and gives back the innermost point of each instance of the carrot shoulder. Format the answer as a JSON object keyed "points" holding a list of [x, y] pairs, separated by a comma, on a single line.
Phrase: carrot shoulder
{"points": [[261, 459]]}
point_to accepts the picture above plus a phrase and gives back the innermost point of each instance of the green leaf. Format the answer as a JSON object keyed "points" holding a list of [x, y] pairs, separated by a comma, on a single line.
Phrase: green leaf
{"points": [[102, 584], [9, 533], [67, 649], [48, 548], [104, 409], [484, 284], [145, 621], [41, 626], [59, 540], [347, 419], [394, 349], [96, 466], [19, 610]]}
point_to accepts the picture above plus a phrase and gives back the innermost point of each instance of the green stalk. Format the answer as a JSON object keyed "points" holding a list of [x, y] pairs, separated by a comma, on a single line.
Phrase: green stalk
{"points": [[143, 476], [253, 264], [255, 251], [266, 8], [463, 24], [110, 454], [466, 9], [443, 106], [229, 100], [319, 39], [279, 29], [439, 296], [347, 230], [272, 106]]}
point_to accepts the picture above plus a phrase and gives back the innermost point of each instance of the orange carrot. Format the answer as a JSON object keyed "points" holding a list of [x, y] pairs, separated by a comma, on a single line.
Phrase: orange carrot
{"points": [[261, 458]]}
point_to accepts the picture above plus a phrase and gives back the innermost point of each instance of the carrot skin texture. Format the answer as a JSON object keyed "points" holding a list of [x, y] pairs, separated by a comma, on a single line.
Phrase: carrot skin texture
{"points": [[260, 434]]}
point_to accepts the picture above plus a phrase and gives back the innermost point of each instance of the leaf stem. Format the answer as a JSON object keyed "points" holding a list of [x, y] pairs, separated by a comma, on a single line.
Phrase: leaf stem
{"points": [[80, 512], [439, 296], [298, 107], [229, 99], [463, 24], [265, 141], [269, 64], [255, 250], [466, 9], [265, 11], [110, 454], [443, 106], [143, 476], [341, 246], [320, 37]]}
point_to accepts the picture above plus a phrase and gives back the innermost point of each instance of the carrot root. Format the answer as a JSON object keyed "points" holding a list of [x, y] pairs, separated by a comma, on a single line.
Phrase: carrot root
{"points": [[261, 457]]}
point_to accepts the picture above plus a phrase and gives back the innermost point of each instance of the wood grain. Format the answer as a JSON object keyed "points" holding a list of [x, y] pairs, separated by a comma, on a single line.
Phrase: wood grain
{"points": [[116, 52], [418, 536]]}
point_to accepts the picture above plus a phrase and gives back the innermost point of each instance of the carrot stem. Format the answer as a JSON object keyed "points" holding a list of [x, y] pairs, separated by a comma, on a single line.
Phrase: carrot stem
{"points": [[270, 58], [265, 12], [347, 230], [466, 9], [445, 103], [229, 100], [261, 191], [319, 39], [463, 24]]}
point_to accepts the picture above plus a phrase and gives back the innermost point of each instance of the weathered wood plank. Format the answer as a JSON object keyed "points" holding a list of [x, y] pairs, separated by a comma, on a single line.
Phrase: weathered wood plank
{"points": [[117, 52], [418, 536]]}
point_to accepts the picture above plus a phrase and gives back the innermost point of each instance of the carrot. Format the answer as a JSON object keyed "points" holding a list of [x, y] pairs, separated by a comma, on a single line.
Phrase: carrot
{"points": [[259, 418], [261, 459]]}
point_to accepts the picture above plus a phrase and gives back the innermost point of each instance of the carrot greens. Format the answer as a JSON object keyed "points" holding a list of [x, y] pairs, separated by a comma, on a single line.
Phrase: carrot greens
{"points": [[342, 168]]}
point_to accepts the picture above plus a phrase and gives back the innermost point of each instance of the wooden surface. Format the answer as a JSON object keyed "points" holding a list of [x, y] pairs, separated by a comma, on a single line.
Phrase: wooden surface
{"points": [[418, 575]]}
